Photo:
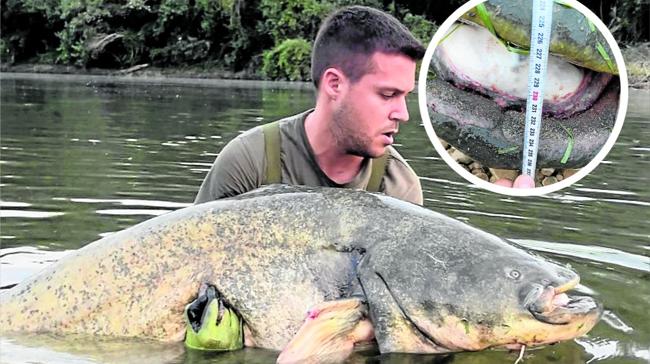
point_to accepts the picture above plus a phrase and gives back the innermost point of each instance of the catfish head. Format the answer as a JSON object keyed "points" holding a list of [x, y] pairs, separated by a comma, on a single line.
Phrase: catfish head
{"points": [[443, 286]]}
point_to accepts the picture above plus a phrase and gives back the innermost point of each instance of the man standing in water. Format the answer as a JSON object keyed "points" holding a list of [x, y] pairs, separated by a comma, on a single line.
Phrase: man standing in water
{"points": [[363, 66]]}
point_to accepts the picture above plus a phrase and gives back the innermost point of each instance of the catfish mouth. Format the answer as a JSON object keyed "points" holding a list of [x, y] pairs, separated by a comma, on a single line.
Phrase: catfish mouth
{"points": [[490, 70], [555, 307], [477, 103]]}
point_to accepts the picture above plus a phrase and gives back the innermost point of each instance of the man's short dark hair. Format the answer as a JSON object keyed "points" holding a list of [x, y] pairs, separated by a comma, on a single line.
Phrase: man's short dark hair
{"points": [[349, 37]]}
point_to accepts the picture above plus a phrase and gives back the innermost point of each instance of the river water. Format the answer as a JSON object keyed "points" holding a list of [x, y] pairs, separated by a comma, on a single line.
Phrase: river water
{"points": [[83, 157]]}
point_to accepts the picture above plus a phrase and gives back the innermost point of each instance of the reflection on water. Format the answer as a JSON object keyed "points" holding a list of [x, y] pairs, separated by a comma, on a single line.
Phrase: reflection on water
{"points": [[82, 159], [592, 253]]}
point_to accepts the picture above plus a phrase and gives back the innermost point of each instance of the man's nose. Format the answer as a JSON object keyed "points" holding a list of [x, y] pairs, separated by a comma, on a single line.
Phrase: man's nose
{"points": [[400, 112]]}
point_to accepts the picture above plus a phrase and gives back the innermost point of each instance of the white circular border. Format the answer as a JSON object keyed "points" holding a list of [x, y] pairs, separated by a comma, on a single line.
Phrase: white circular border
{"points": [[538, 191]]}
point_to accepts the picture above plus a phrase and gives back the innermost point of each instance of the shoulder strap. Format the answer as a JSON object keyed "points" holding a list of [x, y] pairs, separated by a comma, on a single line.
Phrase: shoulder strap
{"points": [[272, 149], [378, 166], [274, 168]]}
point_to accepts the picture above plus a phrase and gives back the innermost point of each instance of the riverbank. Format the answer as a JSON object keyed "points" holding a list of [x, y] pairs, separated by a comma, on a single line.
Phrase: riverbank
{"points": [[98, 79], [637, 61]]}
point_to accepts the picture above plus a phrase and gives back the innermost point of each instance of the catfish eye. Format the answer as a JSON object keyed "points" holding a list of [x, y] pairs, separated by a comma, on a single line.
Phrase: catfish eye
{"points": [[514, 274]]}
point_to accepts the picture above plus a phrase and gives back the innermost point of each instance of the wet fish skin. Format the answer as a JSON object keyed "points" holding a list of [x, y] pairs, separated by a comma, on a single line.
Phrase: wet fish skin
{"points": [[280, 250], [481, 129]]}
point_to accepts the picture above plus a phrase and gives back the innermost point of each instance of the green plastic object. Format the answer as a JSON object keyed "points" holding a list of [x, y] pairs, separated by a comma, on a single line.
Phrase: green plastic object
{"points": [[219, 327]]}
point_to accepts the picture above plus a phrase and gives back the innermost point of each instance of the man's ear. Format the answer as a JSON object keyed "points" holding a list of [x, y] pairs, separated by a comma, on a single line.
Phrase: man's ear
{"points": [[333, 83]]}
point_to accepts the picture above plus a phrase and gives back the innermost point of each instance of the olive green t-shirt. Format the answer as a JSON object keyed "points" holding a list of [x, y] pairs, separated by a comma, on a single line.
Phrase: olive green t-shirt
{"points": [[241, 166]]}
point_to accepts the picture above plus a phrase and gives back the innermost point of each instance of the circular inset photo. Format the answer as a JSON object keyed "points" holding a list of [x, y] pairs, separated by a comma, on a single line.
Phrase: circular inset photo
{"points": [[494, 113]]}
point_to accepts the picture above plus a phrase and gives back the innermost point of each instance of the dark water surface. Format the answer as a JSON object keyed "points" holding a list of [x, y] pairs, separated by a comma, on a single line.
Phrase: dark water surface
{"points": [[85, 157]]}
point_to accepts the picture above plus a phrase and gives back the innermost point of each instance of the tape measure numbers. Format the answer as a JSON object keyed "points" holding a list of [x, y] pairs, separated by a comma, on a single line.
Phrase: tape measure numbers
{"points": [[540, 38]]}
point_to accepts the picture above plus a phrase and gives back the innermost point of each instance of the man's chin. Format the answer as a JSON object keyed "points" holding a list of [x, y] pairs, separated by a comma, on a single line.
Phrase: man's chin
{"points": [[375, 151]]}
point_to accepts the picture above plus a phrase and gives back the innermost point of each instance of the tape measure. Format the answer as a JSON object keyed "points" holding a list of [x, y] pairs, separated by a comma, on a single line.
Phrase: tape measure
{"points": [[540, 38]]}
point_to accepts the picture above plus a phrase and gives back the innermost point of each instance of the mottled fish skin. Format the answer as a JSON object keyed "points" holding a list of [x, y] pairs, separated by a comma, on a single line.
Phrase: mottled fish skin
{"points": [[271, 254], [433, 284]]}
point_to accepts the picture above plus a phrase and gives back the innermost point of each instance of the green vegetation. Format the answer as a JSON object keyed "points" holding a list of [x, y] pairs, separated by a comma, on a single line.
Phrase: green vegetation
{"points": [[421, 28], [289, 60], [252, 38]]}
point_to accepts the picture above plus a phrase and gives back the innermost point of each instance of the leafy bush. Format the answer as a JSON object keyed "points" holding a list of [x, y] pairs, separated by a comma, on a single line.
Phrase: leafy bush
{"points": [[288, 19], [26, 28], [183, 51], [109, 33], [627, 22], [290, 60], [5, 52], [421, 28], [237, 34]]}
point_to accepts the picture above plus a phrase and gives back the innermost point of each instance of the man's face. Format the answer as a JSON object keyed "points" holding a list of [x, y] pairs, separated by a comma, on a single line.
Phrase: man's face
{"points": [[368, 115]]}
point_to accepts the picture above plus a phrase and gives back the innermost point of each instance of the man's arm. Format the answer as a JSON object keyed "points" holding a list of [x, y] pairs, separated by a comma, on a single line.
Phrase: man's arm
{"points": [[239, 168]]}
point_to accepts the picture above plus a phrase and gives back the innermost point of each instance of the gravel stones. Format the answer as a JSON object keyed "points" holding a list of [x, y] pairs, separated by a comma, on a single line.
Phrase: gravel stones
{"points": [[543, 176]]}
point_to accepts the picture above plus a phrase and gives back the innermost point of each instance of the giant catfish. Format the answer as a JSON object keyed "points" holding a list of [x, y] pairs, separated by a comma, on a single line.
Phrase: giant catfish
{"points": [[424, 282]]}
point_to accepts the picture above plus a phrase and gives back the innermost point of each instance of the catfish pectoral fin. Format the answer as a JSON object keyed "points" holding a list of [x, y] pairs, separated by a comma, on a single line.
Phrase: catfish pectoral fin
{"points": [[394, 332], [329, 333]]}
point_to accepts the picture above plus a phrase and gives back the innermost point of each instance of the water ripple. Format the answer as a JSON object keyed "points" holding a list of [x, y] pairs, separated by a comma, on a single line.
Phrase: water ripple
{"points": [[604, 348], [129, 212], [133, 202], [5, 204], [590, 252], [628, 202], [19, 263], [615, 322], [614, 192], [472, 212], [196, 164], [29, 214], [441, 180], [18, 354]]}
